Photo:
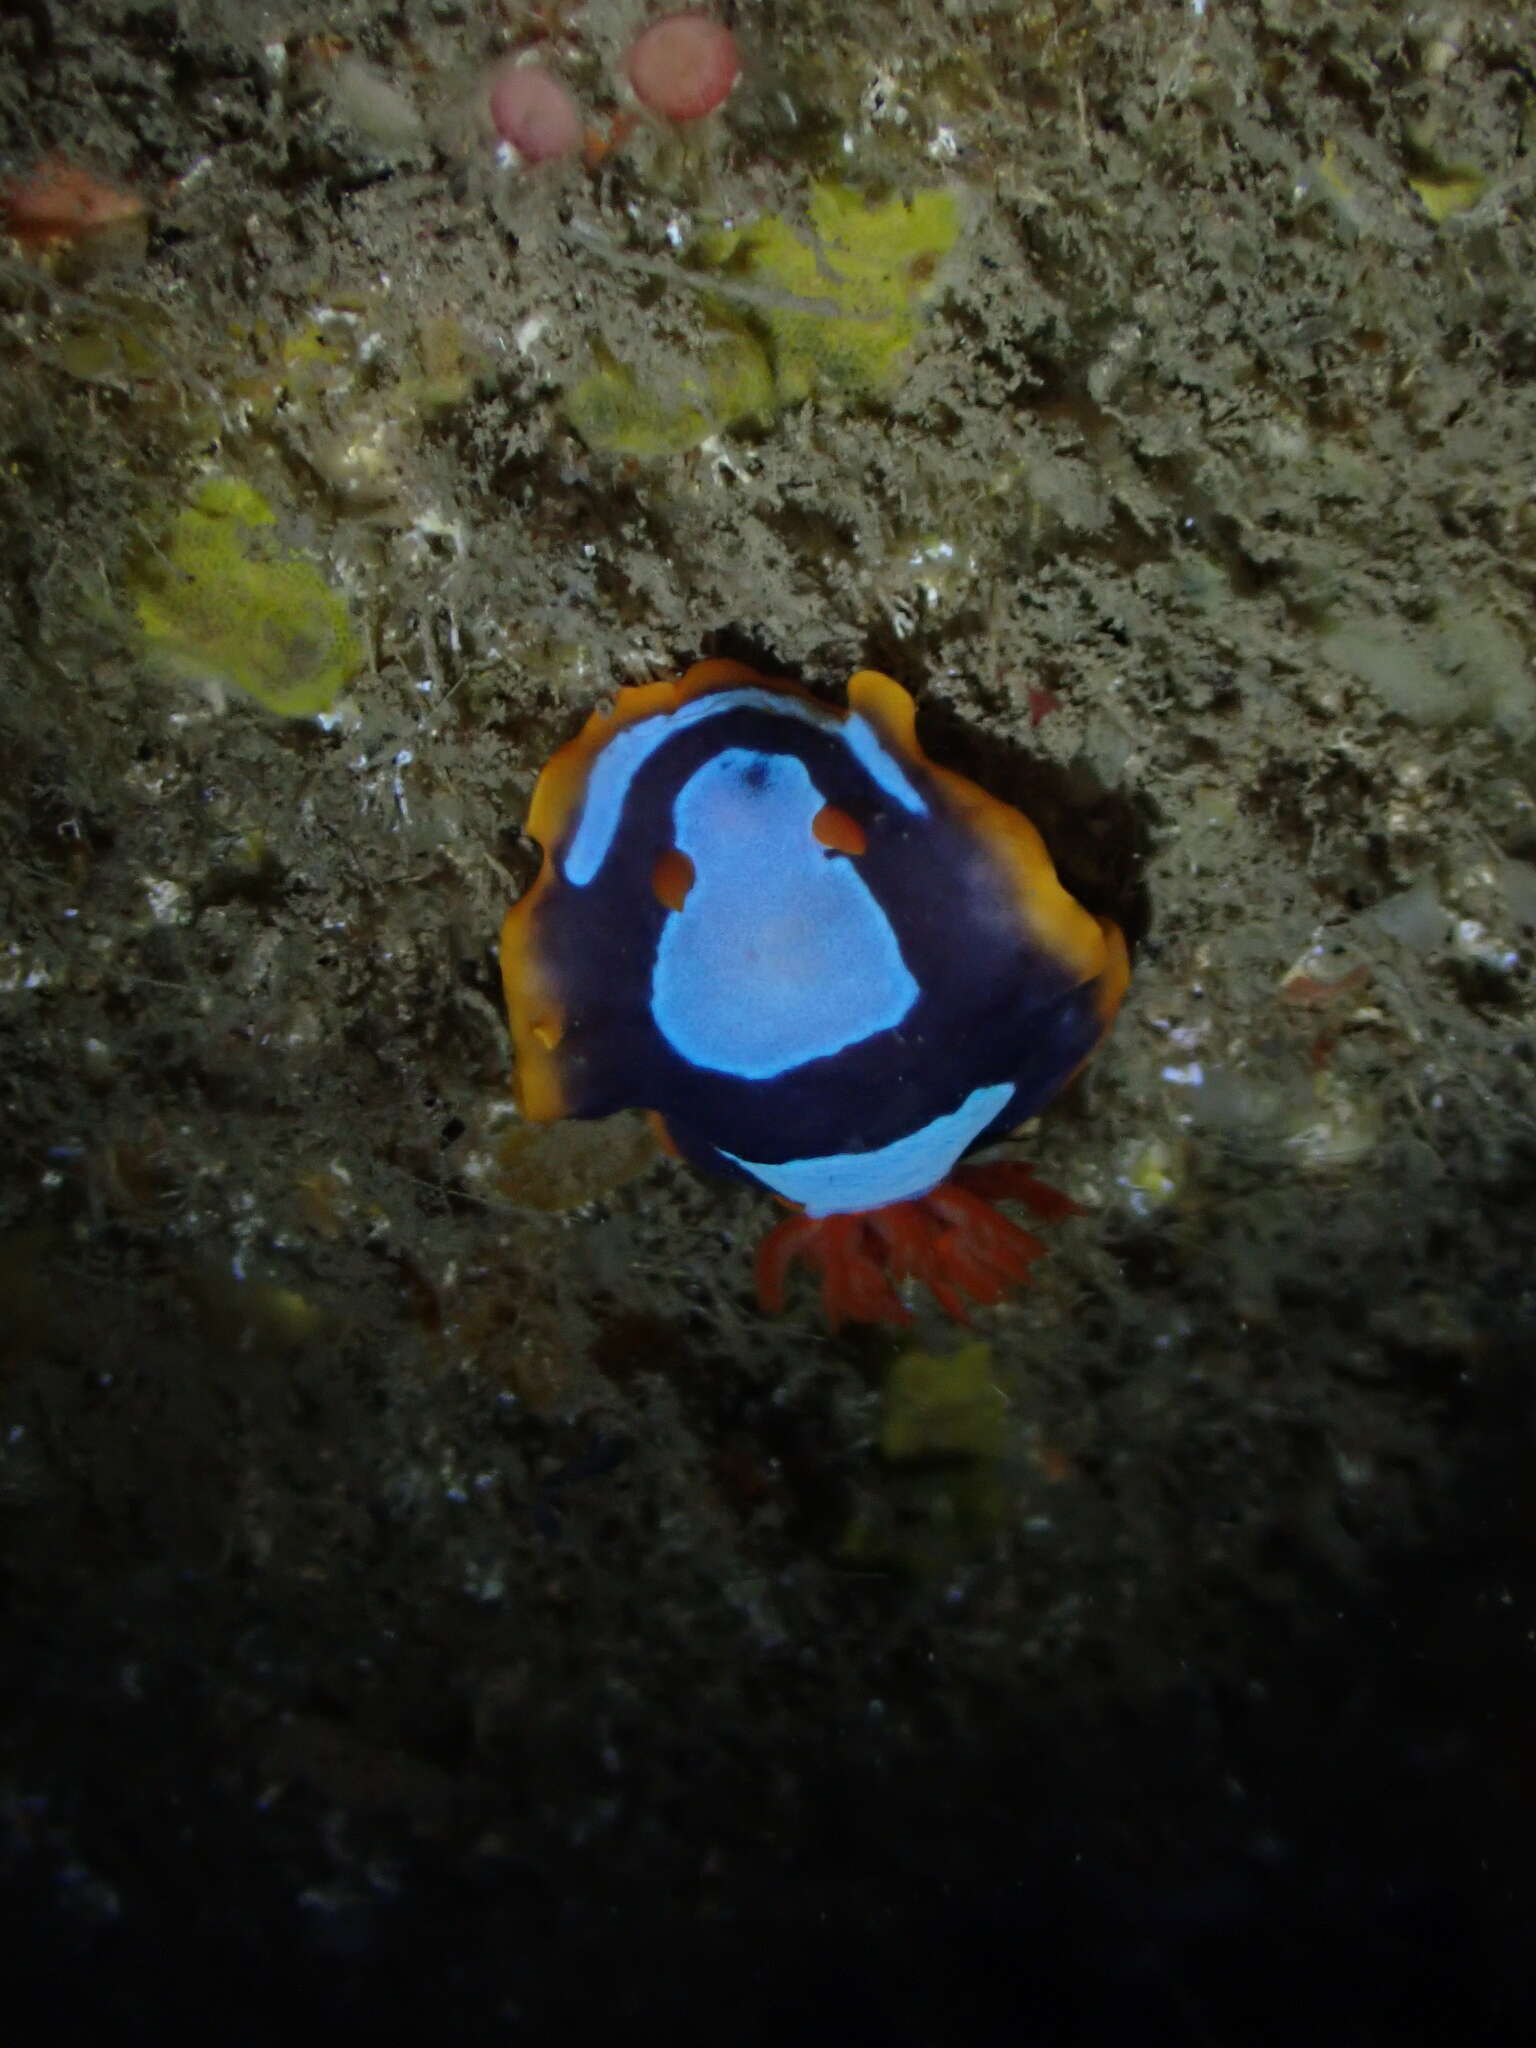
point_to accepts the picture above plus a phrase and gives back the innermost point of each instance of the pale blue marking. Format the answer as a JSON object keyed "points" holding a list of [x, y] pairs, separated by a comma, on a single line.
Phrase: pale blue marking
{"points": [[780, 953], [622, 757], [866, 747], [898, 1172]]}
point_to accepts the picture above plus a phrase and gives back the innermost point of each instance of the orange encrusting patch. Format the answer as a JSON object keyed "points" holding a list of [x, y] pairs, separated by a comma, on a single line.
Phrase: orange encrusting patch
{"points": [[1310, 992], [951, 1239], [597, 145], [672, 878], [838, 832], [661, 1134], [59, 202]]}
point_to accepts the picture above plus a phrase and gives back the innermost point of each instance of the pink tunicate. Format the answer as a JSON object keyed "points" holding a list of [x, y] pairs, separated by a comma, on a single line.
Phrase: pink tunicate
{"points": [[683, 66], [533, 111]]}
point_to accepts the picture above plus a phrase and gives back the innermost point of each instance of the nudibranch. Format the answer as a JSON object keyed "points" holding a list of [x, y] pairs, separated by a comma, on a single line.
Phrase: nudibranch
{"points": [[825, 964]]}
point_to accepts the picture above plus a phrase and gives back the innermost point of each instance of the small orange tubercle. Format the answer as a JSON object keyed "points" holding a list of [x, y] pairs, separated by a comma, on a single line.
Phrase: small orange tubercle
{"points": [[952, 1240], [839, 833], [671, 879]]}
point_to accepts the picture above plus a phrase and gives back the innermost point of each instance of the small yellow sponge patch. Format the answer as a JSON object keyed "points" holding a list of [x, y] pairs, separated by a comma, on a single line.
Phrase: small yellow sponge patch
{"points": [[853, 284], [829, 305], [944, 1405], [221, 600], [612, 410]]}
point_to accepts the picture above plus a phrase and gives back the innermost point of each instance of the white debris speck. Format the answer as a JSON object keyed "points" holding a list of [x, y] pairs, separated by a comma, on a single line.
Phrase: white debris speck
{"points": [[430, 524], [167, 900], [721, 462], [882, 97], [1473, 941]]}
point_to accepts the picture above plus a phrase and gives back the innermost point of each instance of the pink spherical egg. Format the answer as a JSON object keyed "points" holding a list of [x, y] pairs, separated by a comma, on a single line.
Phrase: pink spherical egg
{"points": [[683, 66], [533, 111]]}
